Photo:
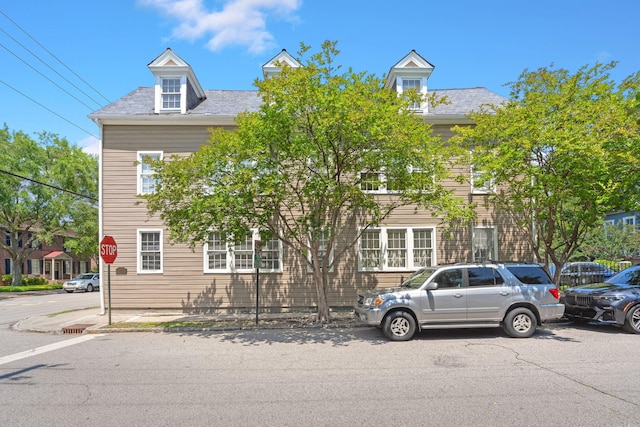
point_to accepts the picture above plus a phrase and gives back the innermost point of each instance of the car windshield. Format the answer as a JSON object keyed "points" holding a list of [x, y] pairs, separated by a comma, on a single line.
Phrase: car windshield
{"points": [[630, 276], [418, 278], [84, 276]]}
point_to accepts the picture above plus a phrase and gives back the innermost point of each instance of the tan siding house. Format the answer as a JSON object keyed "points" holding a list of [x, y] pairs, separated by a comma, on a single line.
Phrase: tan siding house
{"points": [[174, 117]]}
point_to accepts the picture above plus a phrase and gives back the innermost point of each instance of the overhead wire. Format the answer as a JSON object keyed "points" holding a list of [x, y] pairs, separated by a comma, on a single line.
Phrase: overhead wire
{"points": [[46, 65], [48, 185], [54, 56], [47, 78]]}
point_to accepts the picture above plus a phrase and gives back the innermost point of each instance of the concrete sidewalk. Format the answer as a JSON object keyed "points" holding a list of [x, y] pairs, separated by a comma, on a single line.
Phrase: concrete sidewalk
{"points": [[88, 320], [92, 321]]}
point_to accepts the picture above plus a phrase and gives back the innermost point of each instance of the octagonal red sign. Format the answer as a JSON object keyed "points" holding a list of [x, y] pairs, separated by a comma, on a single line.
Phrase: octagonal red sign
{"points": [[108, 249]]}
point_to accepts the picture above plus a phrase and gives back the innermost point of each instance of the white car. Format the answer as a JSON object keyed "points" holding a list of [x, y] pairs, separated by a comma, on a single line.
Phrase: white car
{"points": [[87, 282]]}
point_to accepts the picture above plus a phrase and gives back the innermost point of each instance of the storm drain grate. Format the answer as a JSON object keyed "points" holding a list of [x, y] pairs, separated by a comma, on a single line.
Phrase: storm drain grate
{"points": [[77, 328]]}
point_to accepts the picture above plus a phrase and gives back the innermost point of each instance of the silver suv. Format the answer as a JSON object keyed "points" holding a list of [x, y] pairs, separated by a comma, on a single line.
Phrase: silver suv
{"points": [[516, 296]]}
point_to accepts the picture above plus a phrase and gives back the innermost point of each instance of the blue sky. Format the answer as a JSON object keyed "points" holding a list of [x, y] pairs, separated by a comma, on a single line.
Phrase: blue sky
{"points": [[62, 60]]}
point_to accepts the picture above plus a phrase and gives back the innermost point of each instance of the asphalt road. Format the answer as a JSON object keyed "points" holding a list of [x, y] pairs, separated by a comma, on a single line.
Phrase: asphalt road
{"points": [[563, 376]]}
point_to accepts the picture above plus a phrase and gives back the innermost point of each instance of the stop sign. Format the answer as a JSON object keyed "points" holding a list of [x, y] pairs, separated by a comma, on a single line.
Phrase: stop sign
{"points": [[108, 249]]}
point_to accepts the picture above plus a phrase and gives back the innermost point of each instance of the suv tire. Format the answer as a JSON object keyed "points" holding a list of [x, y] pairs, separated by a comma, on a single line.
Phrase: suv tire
{"points": [[399, 326], [90, 288], [520, 323], [632, 322]]}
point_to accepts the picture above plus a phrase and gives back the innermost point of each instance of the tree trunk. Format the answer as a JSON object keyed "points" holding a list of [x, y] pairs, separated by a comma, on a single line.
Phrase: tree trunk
{"points": [[321, 295]]}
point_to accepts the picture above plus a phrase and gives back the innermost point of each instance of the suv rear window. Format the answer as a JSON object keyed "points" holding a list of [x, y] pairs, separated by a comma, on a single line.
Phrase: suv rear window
{"points": [[530, 274]]}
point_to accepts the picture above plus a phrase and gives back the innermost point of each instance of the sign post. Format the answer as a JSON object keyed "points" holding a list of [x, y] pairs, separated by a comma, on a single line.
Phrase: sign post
{"points": [[108, 252], [257, 261]]}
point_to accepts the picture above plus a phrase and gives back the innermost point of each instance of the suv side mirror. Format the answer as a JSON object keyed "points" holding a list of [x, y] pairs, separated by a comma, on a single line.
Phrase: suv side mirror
{"points": [[432, 286]]}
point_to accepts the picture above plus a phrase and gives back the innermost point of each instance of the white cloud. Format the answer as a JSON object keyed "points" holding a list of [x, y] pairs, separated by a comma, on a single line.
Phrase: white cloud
{"points": [[90, 145], [238, 22]]}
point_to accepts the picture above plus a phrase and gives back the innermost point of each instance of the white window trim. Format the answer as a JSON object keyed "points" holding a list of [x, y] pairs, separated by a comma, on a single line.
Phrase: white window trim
{"points": [[159, 93], [141, 155], [409, 249], [488, 187], [323, 246], [382, 189], [139, 232], [629, 220], [423, 90], [494, 235], [230, 265]]}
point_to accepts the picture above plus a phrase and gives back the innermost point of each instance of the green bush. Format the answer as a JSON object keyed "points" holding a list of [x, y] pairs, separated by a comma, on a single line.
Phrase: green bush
{"points": [[7, 278], [34, 281]]}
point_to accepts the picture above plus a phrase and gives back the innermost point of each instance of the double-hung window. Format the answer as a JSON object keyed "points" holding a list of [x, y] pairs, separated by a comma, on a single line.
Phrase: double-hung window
{"points": [[149, 251], [221, 256], [408, 84], [484, 244], [323, 238], [171, 93], [480, 183], [146, 175], [396, 249]]}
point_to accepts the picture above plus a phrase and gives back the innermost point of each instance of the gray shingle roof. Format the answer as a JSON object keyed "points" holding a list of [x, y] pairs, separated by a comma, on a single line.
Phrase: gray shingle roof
{"points": [[140, 103]]}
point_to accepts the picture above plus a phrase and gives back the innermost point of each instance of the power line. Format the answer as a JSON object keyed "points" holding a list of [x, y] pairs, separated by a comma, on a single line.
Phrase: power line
{"points": [[53, 56], [48, 66], [51, 81], [48, 109], [49, 185]]}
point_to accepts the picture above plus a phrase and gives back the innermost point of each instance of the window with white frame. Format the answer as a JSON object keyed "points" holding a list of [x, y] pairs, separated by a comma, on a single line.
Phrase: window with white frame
{"points": [[146, 175], [422, 247], [221, 256], [322, 249], [381, 182], [171, 93], [484, 244], [408, 84], [629, 220], [149, 251], [34, 266], [396, 248], [480, 184]]}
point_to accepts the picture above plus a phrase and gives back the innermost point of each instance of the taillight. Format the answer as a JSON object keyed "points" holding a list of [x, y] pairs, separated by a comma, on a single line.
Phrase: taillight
{"points": [[555, 292]]}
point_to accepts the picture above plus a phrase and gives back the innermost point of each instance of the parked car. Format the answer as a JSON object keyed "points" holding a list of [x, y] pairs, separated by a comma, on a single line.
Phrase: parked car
{"points": [[87, 282], [582, 273], [615, 301], [516, 296]]}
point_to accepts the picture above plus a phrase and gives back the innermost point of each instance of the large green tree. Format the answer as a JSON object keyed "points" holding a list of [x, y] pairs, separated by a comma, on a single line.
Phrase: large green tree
{"points": [[48, 188], [296, 168], [562, 153]]}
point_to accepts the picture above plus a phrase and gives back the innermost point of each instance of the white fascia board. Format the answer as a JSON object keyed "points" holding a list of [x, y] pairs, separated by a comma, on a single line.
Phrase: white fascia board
{"points": [[227, 120]]}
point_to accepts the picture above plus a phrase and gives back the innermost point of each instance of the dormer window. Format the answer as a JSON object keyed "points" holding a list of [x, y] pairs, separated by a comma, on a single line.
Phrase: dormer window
{"points": [[177, 89], [171, 93], [411, 73], [415, 84]]}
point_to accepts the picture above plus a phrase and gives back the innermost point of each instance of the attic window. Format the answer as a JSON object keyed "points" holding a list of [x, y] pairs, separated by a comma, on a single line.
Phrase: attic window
{"points": [[171, 94], [415, 84]]}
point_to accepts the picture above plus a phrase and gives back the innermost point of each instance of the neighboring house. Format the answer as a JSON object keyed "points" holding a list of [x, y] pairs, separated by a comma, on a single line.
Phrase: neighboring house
{"points": [[51, 261], [623, 218], [174, 117]]}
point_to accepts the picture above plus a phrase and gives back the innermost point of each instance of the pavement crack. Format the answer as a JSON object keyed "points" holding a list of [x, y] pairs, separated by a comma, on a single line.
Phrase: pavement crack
{"points": [[520, 358]]}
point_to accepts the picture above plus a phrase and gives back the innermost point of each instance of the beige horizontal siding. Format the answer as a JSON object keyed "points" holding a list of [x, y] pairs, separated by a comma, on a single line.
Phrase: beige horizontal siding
{"points": [[184, 286]]}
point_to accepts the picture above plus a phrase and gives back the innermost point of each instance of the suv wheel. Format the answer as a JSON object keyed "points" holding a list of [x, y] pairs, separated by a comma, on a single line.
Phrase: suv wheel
{"points": [[520, 323], [399, 326], [632, 322], [89, 287]]}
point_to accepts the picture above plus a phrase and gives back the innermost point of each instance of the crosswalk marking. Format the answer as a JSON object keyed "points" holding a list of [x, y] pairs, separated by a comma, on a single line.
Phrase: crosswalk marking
{"points": [[46, 348]]}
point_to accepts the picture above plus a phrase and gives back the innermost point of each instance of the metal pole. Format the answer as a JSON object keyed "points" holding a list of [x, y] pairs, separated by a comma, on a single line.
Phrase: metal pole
{"points": [[257, 292], [109, 290]]}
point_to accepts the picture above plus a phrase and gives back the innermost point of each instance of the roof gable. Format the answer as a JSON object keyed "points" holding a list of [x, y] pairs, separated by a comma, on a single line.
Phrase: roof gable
{"points": [[412, 64], [273, 66], [168, 63]]}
